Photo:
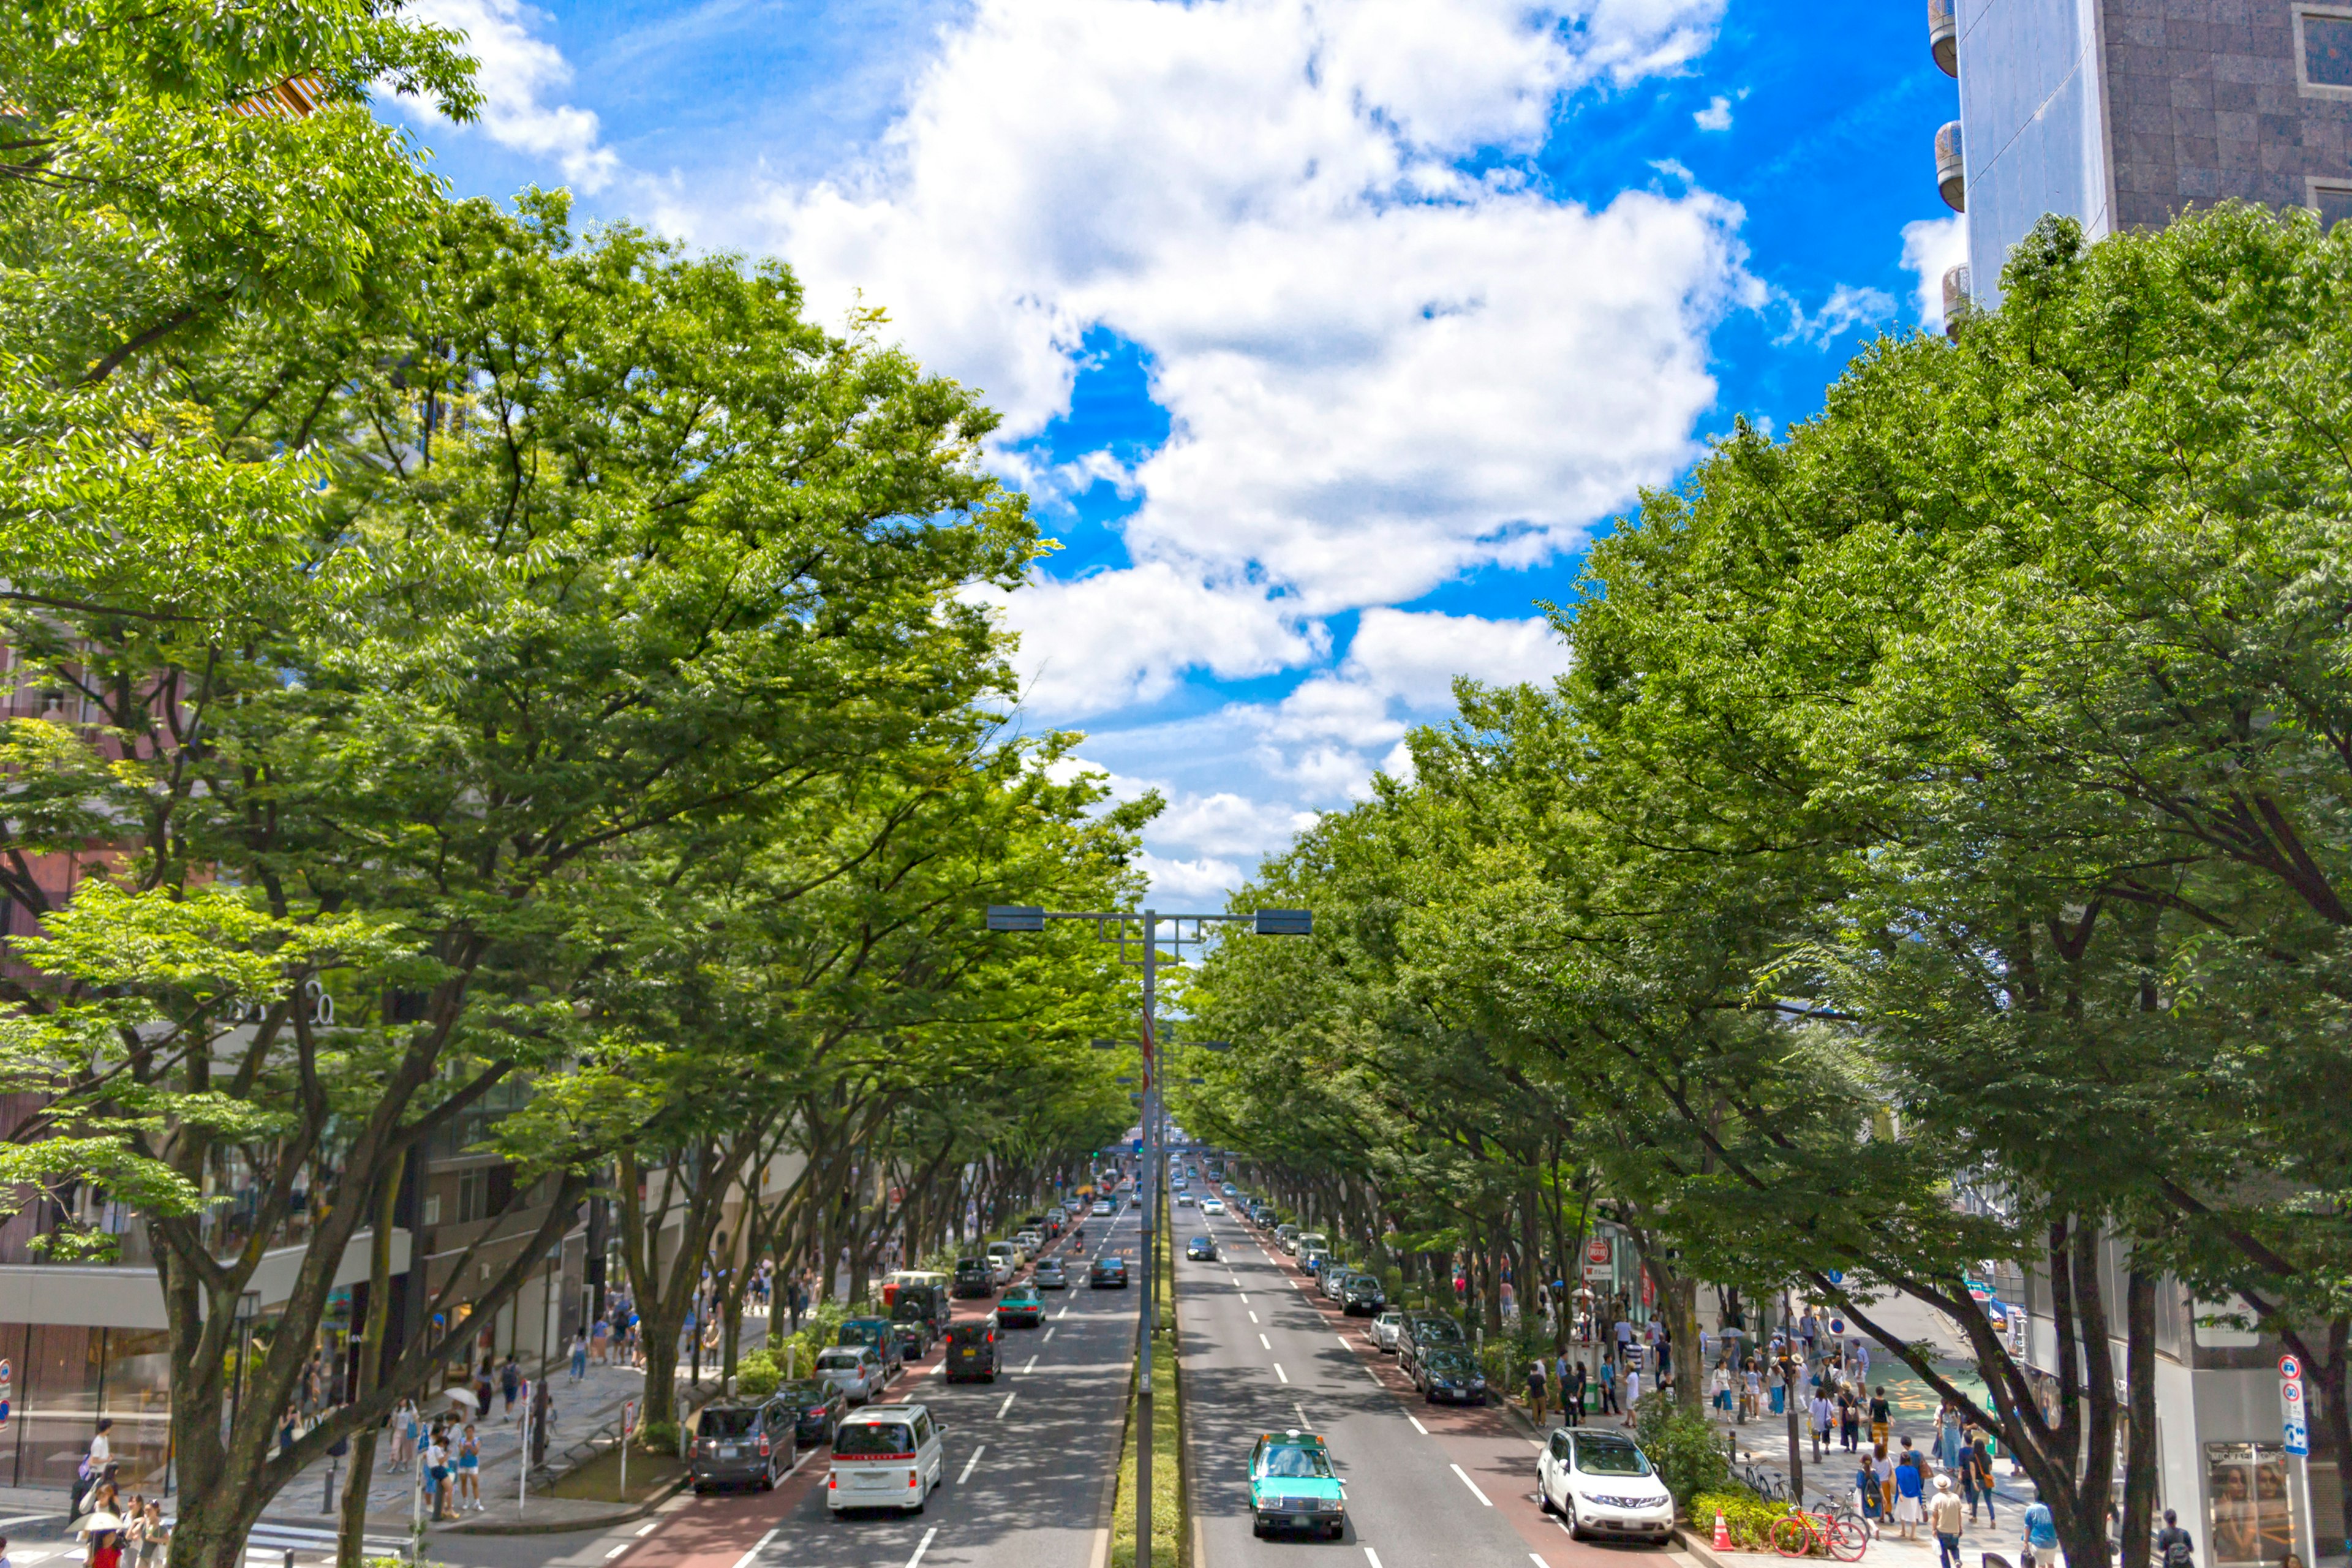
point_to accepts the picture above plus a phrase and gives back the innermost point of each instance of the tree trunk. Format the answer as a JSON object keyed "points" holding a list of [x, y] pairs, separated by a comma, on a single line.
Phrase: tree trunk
{"points": [[352, 1529]]}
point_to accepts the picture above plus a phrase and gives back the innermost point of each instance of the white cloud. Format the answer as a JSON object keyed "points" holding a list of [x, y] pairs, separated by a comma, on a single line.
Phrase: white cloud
{"points": [[1380, 371], [1930, 246], [1846, 308], [518, 75], [1101, 642], [1204, 881], [1716, 116]]}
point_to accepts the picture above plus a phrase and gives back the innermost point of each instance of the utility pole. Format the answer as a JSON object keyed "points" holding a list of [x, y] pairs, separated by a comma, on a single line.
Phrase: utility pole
{"points": [[1143, 926]]}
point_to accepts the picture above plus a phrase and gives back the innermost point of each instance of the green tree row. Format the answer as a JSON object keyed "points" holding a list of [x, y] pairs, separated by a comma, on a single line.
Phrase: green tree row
{"points": [[1940, 854], [554, 648]]}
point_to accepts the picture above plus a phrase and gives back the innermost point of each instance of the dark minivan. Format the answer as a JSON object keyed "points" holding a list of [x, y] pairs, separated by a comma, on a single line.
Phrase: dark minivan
{"points": [[929, 1303], [971, 1353], [821, 1408], [973, 1279], [734, 1443]]}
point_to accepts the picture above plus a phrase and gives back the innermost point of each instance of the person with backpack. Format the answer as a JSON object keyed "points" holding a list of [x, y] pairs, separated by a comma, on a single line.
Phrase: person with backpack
{"points": [[1881, 1416], [1536, 1391], [2174, 1546]]}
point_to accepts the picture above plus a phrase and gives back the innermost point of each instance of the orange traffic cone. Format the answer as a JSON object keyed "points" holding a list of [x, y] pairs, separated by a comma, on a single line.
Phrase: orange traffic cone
{"points": [[1722, 1532]]}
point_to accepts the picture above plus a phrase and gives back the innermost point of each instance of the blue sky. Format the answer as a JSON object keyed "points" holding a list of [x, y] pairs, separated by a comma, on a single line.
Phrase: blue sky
{"points": [[1327, 332]]}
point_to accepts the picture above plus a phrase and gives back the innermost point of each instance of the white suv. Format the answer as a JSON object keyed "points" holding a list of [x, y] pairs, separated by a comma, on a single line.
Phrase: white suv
{"points": [[888, 1457], [1599, 1482]]}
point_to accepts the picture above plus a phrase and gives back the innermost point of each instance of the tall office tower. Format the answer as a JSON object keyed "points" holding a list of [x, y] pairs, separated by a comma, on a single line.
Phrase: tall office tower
{"points": [[2121, 113]]}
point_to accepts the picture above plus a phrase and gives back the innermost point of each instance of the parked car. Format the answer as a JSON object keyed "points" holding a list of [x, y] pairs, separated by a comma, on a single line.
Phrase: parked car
{"points": [[820, 1406], [1599, 1482], [889, 1458], [1003, 1261], [1312, 1258], [742, 1444], [973, 1276], [1385, 1324], [1363, 1293], [1423, 1331], [928, 1303], [855, 1370], [1331, 1276], [971, 1352], [911, 1336], [1449, 1373], [1310, 1241], [1108, 1273], [1287, 1238], [876, 1333]]}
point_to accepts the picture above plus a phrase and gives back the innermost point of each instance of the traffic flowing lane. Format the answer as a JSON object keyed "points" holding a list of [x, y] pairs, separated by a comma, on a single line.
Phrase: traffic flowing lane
{"points": [[1428, 1486]]}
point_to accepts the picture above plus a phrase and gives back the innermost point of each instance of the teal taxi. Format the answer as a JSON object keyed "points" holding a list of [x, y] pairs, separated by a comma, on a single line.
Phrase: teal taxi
{"points": [[1292, 1486]]}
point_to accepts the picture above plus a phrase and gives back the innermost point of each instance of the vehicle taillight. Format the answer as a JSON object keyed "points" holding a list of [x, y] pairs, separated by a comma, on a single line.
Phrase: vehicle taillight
{"points": [[763, 1447], [911, 1476], [991, 1336], [833, 1482]]}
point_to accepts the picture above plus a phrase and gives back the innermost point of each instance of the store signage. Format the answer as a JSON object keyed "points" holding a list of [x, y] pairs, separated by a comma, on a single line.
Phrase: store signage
{"points": [[2292, 1415], [1600, 1259]]}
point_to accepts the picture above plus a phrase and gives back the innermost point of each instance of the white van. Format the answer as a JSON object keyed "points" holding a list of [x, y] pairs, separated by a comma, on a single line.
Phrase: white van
{"points": [[1004, 1259], [890, 1456]]}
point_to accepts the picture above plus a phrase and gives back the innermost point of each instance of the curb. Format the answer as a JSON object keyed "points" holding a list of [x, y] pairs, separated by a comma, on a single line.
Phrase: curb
{"points": [[1702, 1551], [563, 1527]]}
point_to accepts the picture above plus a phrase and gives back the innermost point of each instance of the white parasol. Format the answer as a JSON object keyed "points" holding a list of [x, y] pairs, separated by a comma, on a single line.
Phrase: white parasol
{"points": [[464, 1397], [100, 1520]]}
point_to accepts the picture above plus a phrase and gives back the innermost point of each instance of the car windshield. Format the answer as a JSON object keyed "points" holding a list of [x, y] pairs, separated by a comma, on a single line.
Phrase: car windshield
{"points": [[865, 1439], [862, 1330], [1297, 1464], [1021, 1293], [804, 1392], [969, 1333], [1437, 1330], [839, 1361], [729, 1423], [1610, 1456]]}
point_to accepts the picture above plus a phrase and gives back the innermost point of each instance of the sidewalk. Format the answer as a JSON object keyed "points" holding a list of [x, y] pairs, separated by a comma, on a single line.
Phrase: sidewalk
{"points": [[581, 1408]]}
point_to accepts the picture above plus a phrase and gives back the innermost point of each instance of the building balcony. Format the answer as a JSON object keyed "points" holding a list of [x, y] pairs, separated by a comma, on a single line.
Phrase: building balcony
{"points": [[1952, 170], [1944, 36]]}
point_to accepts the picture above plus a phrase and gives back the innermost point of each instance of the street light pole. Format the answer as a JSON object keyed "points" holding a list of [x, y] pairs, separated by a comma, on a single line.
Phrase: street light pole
{"points": [[1145, 925]]}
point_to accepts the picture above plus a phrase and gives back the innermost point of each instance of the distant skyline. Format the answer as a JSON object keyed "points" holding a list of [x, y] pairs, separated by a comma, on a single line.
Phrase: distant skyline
{"points": [[1326, 335]]}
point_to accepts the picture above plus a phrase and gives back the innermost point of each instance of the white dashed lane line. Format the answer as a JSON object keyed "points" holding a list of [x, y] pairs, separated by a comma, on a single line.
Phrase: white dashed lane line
{"points": [[968, 1464], [1031, 1367], [1280, 1374], [1008, 1405], [757, 1547], [1475, 1493], [1264, 1342], [1417, 1426], [922, 1546]]}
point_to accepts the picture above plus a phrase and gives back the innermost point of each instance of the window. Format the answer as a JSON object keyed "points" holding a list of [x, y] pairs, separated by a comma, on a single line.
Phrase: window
{"points": [[2323, 52], [433, 1209], [2332, 203]]}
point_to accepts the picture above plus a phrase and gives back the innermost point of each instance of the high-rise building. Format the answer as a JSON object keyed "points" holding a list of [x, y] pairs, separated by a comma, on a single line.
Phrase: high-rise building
{"points": [[2122, 113]]}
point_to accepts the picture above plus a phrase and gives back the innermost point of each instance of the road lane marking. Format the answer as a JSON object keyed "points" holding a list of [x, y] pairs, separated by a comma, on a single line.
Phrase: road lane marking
{"points": [[648, 1528], [1048, 1339], [1344, 1342], [1264, 1342], [922, 1546], [1417, 1426], [1006, 1406], [968, 1463], [1538, 1562], [1033, 1367], [1280, 1374], [1300, 1411], [1373, 1556], [1060, 1315], [618, 1550], [757, 1547], [1245, 1296], [1475, 1493]]}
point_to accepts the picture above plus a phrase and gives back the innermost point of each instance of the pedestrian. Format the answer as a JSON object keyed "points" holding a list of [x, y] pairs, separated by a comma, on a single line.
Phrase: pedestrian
{"points": [[4, 1562], [1820, 1413], [1948, 1437], [105, 1548], [154, 1536], [287, 1423], [1752, 1395], [1944, 1522], [1979, 1463], [600, 1341], [2174, 1547], [93, 1465], [510, 1384], [435, 1463], [579, 1357], [1536, 1391], [1578, 1386], [1866, 1493], [1633, 1390], [1719, 1389], [1885, 1483], [2041, 1534], [469, 1471], [1849, 1420], [1910, 1485], [1880, 1416]]}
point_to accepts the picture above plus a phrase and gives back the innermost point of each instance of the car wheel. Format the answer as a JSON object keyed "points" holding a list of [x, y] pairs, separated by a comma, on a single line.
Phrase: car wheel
{"points": [[1575, 1527]]}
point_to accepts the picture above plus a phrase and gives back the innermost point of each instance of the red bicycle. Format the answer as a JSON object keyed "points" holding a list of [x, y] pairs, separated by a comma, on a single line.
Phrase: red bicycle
{"points": [[1799, 1534]]}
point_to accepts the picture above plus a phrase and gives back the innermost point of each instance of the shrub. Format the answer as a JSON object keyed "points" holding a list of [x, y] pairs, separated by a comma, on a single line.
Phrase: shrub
{"points": [[756, 1374], [1685, 1449], [658, 1437], [1749, 1517]]}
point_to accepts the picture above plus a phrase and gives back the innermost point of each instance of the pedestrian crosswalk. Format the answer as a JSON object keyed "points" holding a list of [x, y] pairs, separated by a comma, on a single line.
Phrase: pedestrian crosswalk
{"points": [[271, 1540]]}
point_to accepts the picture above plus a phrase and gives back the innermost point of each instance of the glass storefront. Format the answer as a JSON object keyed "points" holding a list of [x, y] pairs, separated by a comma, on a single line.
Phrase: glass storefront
{"points": [[2253, 1508], [63, 1378]]}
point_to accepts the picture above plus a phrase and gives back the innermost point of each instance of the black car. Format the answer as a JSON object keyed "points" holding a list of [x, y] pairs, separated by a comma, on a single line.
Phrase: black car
{"points": [[912, 1337], [1202, 1249], [973, 1278], [1422, 1332], [928, 1303], [1021, 1307], [1451, 1374], [971, 1352], [819, 1408], [1108, 1273], [735, 1444], [1362, 1293]]}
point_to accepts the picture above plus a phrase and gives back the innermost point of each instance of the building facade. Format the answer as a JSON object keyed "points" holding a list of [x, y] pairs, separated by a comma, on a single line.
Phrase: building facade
{"points": [[2123, 113]]}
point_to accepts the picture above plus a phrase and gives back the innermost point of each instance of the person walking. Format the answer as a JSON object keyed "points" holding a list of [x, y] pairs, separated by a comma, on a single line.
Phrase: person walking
{"points": [[1880, 1416], [469, 1471], [579, 1357], [94, 1464], [2040, 1548], [1944, 1522], [600, 1341], [155, 1535], [1866, 1485], [1718, 1395], [1632, 1391], [1578, 1383], [2174, 1546], [510, 1384], [1608, 1380], [1849, 1420], [1910, 1483], [1820, 1410], [1536, 1391], [1977, 1462]]}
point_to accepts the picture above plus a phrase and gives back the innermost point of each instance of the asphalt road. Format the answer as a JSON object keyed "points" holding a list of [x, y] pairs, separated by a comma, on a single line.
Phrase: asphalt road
{"points": [[1026, 1460], [1428, 1486]]}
